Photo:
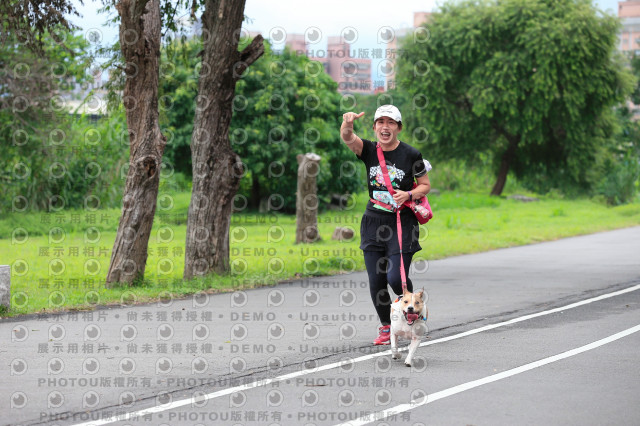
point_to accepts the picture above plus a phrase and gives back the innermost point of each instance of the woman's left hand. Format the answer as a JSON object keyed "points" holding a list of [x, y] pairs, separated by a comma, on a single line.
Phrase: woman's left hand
{"points": [[400, 197]]}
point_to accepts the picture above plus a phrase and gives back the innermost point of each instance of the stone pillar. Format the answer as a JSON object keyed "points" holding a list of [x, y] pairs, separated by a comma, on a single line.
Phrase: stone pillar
{"points": [[307, 198], [5, 286]]}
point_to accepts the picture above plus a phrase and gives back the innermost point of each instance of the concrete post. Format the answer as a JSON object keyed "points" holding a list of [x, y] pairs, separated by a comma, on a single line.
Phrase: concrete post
{"points": [[307, 198], [5, 286]]}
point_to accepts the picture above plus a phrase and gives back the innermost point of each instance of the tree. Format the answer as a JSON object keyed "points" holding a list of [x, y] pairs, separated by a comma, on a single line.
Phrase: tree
{"points": [[140, 26], [216, 168], [620, 182], [37, 133], [30, 22], [52, 157], [284, 105], [532, 82]]}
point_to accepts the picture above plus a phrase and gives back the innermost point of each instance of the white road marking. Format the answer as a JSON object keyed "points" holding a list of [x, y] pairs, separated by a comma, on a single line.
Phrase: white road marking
{"points": [[427, 399], [264, 382]]}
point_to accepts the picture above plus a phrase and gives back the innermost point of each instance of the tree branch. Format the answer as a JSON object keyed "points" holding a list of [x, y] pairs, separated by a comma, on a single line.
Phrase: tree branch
{"points": [[250, 54]]}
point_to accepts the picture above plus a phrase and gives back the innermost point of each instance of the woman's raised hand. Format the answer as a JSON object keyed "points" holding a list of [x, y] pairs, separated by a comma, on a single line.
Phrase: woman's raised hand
{"points": [[350, 117]]}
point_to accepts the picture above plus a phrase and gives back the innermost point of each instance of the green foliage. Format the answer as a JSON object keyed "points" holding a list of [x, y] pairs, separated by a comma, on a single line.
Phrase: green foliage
{"points": [[179, 84], [53, 159], [542, 74], [620, 184], [621, 171], [78, 164], [33, 22], [284, 105]]}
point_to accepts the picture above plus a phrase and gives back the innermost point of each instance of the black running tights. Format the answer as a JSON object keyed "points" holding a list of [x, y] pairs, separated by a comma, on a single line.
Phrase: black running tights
{"points": [[382, 270]]}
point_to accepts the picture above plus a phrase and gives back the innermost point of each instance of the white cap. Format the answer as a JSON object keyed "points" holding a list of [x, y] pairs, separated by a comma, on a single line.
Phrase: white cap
{"points": [[388, 111]]}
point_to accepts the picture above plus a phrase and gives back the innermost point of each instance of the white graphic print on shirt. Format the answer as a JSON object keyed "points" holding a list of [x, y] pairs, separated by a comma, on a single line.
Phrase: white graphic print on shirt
{"points": [[377, 181]]}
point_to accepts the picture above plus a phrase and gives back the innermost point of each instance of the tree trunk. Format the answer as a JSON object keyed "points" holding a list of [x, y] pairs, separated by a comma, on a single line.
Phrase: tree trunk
{"points": [[140, 44], [255, 193], [307, 199], [216, 168], [505, 164]]}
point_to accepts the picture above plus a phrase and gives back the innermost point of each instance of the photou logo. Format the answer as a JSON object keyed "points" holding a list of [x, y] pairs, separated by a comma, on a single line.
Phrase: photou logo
{"points": [[275, 331], [57, 332], [90, 399], [275, 364], [18, 367], [200, 332], [311, 331], [199, 365], [90, 366], [19, 400], [128, 333], [199, 399], [349, 34], [312, 35], [127, 399], [382, 365], [164, 398], [55, 366], [127, 366], [20, 333], [347, 331], [237, 365], [275, 298], [164, 365], [310, 398], [239, 299], [237, 399], [164, 332], [310, 298], [383, 397], [274, 398], [278, 35], [55, 400], [239, 332], [346, 398]]}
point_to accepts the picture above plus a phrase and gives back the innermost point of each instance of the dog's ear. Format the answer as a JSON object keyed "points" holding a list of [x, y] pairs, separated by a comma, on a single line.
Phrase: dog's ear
{"points": [[405, 292], [420, 294]]}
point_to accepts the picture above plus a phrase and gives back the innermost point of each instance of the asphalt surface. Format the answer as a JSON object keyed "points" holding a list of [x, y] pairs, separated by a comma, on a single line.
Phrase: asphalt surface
{"points": [[300, 353]]}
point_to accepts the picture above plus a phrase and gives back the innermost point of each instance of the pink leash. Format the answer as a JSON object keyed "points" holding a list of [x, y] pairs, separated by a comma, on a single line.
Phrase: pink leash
{"points": [[387, 181]]}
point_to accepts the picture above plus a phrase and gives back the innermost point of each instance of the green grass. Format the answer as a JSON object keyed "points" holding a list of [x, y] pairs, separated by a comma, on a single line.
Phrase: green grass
{"points": [[263, 249]]}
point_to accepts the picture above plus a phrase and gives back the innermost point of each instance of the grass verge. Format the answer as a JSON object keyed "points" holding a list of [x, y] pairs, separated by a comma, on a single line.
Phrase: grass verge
{"points": [[59, 260]]}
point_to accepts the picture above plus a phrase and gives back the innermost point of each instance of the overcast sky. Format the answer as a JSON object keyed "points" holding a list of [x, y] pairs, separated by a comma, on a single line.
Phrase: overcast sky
{"points": [[330, 17]]}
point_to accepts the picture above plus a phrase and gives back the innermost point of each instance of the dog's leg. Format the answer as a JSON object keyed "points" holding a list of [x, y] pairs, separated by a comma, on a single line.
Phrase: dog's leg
{"points": [[415, 342], [394, 346]]}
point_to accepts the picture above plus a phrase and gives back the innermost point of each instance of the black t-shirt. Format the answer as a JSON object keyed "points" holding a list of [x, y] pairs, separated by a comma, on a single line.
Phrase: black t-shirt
{"points": [[404, 164]]}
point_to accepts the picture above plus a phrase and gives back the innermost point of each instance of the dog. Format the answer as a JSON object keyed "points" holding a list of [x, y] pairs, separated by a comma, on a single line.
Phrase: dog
{"points": [[408, 320]]}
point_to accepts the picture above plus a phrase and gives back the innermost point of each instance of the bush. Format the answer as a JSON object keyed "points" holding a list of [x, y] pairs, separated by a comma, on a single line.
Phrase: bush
{"points": [[70, 162], [174, 182], [620, 184], [458, 175]]}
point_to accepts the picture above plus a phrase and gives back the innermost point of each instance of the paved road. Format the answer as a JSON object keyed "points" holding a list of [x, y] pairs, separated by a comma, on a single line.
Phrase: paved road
{"points": [[499, 350]]}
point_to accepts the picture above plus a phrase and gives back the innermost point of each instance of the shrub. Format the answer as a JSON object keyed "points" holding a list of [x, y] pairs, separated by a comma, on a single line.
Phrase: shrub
{"points": [[620, 184]]}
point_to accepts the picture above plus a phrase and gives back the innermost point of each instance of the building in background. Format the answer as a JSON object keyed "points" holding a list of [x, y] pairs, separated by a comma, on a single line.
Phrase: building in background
{"points": [[352, 73], [390, 64], [629, 14], [629, 40], [296, 42]]}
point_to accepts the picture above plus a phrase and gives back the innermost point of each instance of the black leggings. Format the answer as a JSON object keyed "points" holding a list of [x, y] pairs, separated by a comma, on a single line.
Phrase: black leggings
{"points": [[383, 270]]}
